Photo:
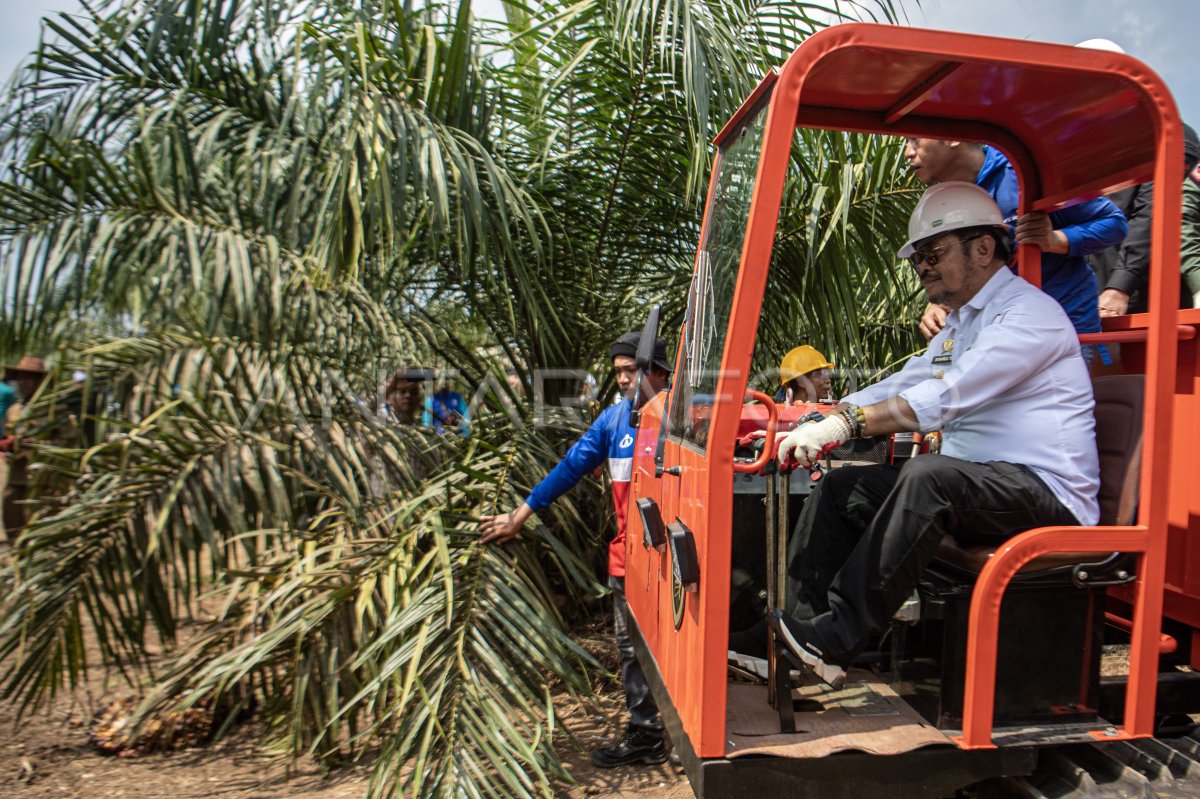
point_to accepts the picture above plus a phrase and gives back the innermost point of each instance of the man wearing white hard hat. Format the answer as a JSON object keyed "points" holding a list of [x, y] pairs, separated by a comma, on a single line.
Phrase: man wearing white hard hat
{"points": [[1005, 383]]}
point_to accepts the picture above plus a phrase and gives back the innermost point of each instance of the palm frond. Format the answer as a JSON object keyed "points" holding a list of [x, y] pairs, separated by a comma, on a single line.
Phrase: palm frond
{"points": [[238, 217]]}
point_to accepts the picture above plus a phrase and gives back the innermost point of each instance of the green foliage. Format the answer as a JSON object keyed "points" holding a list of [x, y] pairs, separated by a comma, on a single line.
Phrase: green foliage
{"points": [[238, 216], [833, 275]]}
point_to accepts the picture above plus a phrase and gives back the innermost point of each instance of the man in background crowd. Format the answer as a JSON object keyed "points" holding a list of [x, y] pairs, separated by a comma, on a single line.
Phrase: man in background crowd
{"points": [[1189, 251], [28, 374], [1124, 271], [404, 395], [446, 409]]}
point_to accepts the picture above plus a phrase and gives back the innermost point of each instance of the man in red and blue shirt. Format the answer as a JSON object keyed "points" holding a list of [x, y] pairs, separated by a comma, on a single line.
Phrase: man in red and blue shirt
{"points": [[608, 441]]}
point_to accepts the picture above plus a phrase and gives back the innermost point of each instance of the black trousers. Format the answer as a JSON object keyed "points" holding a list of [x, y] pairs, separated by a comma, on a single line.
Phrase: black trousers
{"points": [[643, 711], [866, 533]]}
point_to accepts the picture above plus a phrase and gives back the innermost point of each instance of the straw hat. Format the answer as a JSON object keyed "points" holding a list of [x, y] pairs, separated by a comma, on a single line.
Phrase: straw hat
{"points": [[28, 365]]}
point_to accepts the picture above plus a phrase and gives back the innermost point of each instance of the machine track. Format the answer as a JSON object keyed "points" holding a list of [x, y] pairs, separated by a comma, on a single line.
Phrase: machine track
{"points": [[1153, 768]]}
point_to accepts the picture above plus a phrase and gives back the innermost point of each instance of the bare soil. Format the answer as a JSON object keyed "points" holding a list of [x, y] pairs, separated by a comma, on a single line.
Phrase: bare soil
{"points": [[48, 754], [601, 725]]}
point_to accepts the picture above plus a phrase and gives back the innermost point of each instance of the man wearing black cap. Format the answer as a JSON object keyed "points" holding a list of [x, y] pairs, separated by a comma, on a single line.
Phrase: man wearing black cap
{"points": [[1123, 271], [610, 438]]}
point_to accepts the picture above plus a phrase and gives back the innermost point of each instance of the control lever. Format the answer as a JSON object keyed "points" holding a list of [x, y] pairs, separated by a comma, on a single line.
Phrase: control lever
{"points": [[768, 450]]}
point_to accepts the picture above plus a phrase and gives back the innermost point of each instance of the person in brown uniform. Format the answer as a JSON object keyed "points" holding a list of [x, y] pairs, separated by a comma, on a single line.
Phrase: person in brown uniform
{"points": [[28, 374]]}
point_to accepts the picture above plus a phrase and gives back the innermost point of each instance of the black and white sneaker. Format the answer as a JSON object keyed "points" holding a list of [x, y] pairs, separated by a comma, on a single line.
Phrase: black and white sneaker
{"points": [[747, 667], [791, 633]]}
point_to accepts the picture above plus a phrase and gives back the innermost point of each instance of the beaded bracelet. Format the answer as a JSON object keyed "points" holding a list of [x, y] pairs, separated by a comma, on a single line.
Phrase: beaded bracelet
{"points": [[847, 416], [855, 419]]}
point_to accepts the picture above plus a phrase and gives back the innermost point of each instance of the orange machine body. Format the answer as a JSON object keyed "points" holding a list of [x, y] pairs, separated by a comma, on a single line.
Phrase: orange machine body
{"points": [[1075, 123]]}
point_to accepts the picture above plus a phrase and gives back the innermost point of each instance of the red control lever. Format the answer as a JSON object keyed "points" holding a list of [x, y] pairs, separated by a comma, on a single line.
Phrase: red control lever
{"points": [[768, 450]]}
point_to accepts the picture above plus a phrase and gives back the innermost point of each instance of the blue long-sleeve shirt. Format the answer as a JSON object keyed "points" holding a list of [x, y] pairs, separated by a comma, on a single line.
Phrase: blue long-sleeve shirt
{"points": [[1089, 226], [447, 410], [610, 438], [8, 398]]}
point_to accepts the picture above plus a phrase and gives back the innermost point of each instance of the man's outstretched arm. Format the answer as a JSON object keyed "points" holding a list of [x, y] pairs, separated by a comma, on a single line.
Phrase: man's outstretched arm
{"points": [[587, 454]]}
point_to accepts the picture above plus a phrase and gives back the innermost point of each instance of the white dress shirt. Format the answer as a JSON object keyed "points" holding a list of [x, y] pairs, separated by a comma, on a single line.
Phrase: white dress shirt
{"points": [[1004, 381]]}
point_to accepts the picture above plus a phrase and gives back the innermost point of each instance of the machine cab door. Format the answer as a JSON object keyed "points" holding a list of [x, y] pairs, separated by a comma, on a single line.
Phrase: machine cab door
{"points": [[681, 466]]}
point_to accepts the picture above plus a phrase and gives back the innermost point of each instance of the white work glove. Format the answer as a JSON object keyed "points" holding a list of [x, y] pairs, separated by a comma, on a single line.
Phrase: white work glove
{"points": [[1196, 300], [805, 443]]}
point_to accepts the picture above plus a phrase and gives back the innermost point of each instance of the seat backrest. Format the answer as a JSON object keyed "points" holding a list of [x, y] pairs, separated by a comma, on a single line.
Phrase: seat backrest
{"points": [[1119, 405], [1119, 401]]}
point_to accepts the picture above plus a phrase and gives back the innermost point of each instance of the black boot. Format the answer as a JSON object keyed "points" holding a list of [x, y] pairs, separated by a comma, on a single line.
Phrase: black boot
{"points": [[637, 745]]}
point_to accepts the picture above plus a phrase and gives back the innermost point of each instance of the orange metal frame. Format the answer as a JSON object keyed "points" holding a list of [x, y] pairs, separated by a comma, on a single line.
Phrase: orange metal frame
{"points": [[1075, 123]]}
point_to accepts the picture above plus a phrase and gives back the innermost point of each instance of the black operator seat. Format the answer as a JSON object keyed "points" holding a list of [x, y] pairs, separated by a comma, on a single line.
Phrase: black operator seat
{"points": [[1119, 407]]}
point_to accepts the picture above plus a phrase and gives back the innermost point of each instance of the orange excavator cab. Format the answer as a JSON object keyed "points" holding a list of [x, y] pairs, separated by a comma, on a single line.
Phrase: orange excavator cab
{"points": [[999, 675]]}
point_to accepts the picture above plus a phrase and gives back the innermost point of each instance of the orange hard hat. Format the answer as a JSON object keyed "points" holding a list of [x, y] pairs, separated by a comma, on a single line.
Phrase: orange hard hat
{"points": [[800, 361]]}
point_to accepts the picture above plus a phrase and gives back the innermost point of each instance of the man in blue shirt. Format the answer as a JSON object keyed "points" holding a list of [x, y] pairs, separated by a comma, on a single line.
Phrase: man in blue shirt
{"points": [[446, 409], [1065, 237], [609, 440], [8, 398], [1007, 359]]}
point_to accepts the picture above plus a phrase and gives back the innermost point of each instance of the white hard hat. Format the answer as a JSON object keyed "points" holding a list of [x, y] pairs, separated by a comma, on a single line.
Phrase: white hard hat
{"points": [[952, 205], [1102, 44]]}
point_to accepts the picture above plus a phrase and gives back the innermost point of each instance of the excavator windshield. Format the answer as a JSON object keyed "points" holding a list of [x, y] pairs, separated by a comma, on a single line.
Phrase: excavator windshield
{"points": [[710, 298]]}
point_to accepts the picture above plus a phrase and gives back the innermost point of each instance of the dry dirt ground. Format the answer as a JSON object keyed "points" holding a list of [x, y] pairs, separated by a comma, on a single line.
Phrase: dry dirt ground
{"points": [[49, 755]]}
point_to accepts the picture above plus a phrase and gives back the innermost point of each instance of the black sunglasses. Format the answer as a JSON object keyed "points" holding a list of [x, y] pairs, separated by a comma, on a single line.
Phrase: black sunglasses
{"points": [[929, 255]]}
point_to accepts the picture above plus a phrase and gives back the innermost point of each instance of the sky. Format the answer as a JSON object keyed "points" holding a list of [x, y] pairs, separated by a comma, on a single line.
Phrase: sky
{"points": [[20, 26], [1162, 33]]}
